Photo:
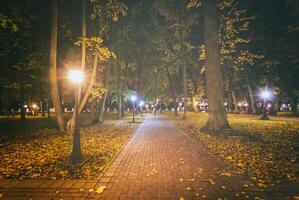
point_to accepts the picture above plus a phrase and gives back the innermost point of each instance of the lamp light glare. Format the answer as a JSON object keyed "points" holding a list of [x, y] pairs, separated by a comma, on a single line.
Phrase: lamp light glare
{"points": [[141, 103], [266, 94], [76, 76], [133, 98]]}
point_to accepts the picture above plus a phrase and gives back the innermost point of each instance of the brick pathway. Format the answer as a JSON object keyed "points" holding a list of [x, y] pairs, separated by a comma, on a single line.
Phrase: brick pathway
{"points": [[159, 162]]}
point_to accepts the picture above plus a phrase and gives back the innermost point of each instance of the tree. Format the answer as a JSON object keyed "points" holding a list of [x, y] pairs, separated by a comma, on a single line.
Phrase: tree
{"points": [[214, 82], [53, 68]]}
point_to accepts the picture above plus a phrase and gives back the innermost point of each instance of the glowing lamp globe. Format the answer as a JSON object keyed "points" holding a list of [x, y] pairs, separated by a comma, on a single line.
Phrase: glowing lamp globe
{"points": [[34, 106], [141, 103], [76, 76], [133, 98], [266, 94]]}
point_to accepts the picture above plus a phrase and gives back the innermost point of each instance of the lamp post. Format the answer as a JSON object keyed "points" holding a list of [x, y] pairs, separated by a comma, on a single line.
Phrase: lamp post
{"points": [[76, 76], [133, 99], [265, 95]]}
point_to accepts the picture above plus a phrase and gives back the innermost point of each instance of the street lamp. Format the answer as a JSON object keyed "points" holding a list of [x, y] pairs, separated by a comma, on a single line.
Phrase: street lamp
{"points": [[133, 99], [265, 95], [76, 77]]}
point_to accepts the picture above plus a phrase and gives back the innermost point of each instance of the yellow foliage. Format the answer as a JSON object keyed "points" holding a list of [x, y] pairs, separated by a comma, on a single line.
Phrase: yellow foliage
{"points": [[263, 150], [47, 156]]}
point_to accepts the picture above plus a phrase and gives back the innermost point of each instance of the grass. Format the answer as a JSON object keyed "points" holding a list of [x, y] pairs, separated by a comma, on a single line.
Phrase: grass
{"points": [[266, 151], [42, 152]]}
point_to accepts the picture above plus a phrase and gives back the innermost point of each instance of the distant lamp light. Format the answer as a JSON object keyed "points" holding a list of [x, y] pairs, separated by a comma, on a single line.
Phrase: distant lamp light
{"points": [[240, 104], [180, 104], [269, 105], [225, 103], [246, 104], [265, 94], [34, 106], [25, 106], [141, 103], [283, 105]]}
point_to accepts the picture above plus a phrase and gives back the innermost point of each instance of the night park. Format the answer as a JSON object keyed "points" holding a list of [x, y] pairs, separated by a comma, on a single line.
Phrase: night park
{"points": [[149, 99]]}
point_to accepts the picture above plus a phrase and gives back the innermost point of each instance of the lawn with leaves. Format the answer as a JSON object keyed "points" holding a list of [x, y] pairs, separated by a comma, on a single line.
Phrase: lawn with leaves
{"points": [[44, 153], [266, 151]]}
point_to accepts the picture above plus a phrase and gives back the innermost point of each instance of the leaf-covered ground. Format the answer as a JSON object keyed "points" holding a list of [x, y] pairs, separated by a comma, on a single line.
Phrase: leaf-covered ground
{"points": [[45, 154], [266, 151]]}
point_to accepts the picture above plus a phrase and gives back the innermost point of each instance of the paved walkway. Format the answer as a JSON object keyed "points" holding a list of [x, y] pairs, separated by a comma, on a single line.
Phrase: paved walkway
{"points": [[159, 162]]}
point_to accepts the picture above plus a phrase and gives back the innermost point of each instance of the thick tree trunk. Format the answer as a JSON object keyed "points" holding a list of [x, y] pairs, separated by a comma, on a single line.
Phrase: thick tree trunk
{"points": [[252, 105], [183, 67], [217, 113], [172, 90], [102, 109], [53, 68]]}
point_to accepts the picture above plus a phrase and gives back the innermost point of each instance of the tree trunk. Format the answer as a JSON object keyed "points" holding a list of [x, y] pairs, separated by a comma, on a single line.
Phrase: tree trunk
{"points": [[183, 67], [53, 68], [70, 124], [230, 101], [83, 48], [235, 101], [172, 90], [123, 107], [139, 63], [88, 90], [119, 95], [41, 95], [102, 109], [252, 105], [22, 94], [93, 113], [294, 100], [217, 113]]}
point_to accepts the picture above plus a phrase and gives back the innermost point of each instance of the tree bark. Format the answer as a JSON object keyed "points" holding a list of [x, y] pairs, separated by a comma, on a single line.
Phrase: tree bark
{"points": [[41, 95], [22, 94], [83, 48], [70, 124], [53, 68], [235, 101], [217, 113], [252, 104], [102, 109], [119, 95], [172, 90], [183, 67]]}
